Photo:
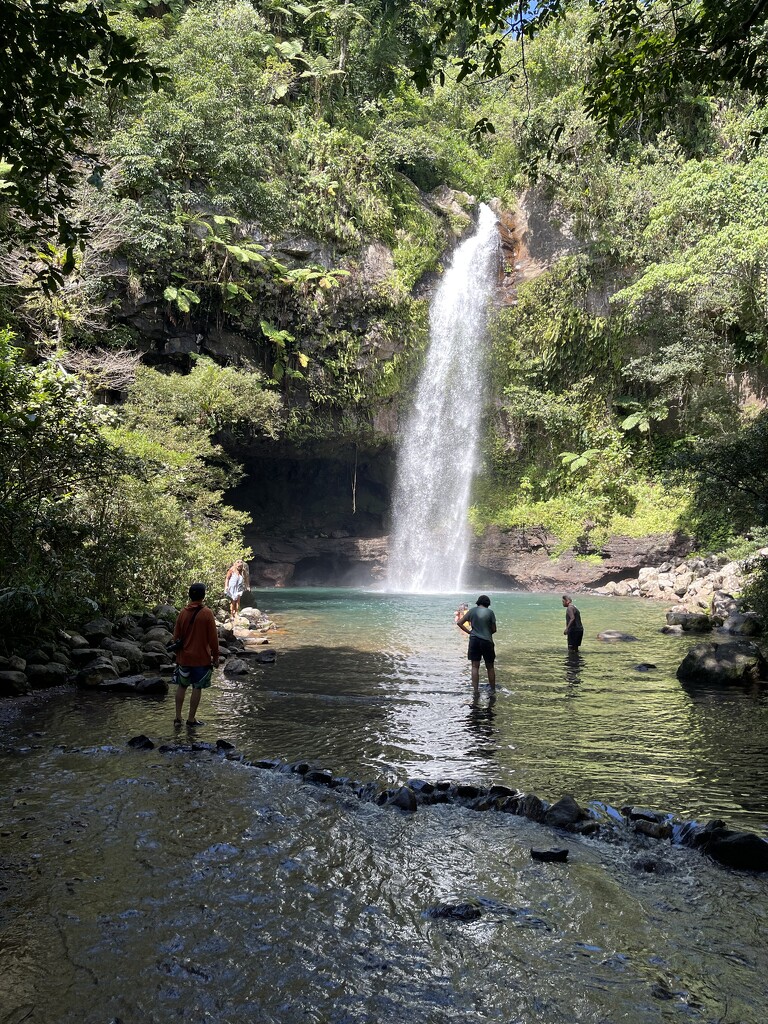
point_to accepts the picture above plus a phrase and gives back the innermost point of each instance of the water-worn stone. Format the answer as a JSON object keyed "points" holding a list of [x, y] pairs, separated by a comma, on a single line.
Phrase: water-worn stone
{"points": [[13, 684], [645, 666], [724, 664], [654, 829], [84, 655], [235, 667], [263, 657], [124, 649], [744, 623], [154, 660], [742, 850], [564, 813], [37, 657], [405, 799], [615, 636], [122, 665], [141, 742], [96, 672], [550, 856], [140, 686], [532, 806], [166, 611], [321, 777], [42, 676], [160, 633], [95, 630], [455, 911]]}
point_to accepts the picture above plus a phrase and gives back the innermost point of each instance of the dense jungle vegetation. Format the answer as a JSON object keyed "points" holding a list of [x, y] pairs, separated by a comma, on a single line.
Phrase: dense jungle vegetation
{"points": [[225, 229]]}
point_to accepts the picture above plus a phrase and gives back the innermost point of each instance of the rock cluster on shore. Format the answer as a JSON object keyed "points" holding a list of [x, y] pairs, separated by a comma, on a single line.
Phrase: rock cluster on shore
{"points": [[127, 655], [692, 581]]}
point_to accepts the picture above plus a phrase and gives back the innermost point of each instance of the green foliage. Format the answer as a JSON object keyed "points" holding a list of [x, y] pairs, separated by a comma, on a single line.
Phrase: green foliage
{"points": [[755, 591], [57, 57], [115, 508]]}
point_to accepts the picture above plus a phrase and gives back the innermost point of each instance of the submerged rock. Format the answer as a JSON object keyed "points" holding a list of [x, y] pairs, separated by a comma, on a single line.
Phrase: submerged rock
{"points": [[559, 856], [141, 742], [454, 911], [612, 636], [405, 799]]}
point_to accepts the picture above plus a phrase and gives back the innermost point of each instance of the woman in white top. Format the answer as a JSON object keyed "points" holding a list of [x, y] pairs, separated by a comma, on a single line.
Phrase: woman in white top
{"points": [[235, 585]]}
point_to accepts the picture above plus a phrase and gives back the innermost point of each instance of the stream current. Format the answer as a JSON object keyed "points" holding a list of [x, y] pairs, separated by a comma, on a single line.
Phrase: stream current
{"points": [[157, 887]]}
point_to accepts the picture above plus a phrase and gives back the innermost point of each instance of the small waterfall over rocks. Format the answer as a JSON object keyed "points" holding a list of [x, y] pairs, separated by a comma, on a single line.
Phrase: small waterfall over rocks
{"points": [[439, 443]]}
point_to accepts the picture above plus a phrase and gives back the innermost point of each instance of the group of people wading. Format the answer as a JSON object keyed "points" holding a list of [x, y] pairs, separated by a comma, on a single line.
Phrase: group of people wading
{"points": [[482, 625], [196, 640]]}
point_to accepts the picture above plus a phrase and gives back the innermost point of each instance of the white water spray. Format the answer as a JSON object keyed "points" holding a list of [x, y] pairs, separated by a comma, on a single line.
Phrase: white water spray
{"points": [[439, 444]]}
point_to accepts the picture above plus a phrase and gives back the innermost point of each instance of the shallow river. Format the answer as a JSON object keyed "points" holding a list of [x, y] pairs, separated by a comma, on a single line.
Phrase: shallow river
{"points": [[148, 887]]}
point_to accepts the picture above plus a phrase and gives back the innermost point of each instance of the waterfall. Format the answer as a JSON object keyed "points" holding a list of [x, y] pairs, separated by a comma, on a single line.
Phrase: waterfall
{"points": [[439, 444]]}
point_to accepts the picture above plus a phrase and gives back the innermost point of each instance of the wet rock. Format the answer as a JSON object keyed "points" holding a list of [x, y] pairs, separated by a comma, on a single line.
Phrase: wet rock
{"points": [[454, 911], [141, 742], [405, 799], [723, 664], [298, 767], [368, 792], [122, 665], [654, 829], [641, 814], [498, 791], [321, 777], [743, 850], [13, 684], [645, 666], [558, 856], [612, 636], [96, 630], [565, 813], [140, 686], [586, 828], [465, 791], [42, 676], [263, 657], [420, 787], [270, 764], [511, 805], [532, 806], [224, 745], [235, 667], [672, 630]]}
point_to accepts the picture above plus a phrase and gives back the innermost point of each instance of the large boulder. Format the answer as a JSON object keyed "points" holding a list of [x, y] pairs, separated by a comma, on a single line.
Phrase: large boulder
{"points": [[723, 664], [691, 622], [159, 633], [96, 672], [125, 649], [95, 630], [13, 684], [42, 676], [744, 624], [565, 813]]}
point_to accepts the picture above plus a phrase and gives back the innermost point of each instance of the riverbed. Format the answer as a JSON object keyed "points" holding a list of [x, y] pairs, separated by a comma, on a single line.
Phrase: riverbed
{"points": [[148, 886]]}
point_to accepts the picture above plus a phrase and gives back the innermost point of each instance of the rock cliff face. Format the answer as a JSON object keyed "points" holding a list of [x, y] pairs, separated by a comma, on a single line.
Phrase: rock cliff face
{"points": [[504, 559]]}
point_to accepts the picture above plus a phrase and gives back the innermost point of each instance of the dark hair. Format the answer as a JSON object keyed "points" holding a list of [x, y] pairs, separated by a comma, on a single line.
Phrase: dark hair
{"points": [[566, 598], [484, 600], [197, 592]]}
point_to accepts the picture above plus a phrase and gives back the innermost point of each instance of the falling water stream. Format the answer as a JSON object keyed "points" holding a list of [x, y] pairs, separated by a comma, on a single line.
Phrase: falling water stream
{"points": [[438, 448]]}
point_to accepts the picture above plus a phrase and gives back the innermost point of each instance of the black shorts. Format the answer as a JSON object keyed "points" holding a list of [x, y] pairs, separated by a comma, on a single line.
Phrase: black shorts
{"points": [[574, 637], [481, 649]]}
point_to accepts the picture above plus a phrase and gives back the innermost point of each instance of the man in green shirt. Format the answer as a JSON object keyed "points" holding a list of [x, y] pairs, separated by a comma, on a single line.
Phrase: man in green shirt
{"points": [[483, 625]]}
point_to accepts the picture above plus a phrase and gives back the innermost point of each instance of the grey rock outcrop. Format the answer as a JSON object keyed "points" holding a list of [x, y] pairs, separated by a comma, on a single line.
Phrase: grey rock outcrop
{"points": [[724, 664]]}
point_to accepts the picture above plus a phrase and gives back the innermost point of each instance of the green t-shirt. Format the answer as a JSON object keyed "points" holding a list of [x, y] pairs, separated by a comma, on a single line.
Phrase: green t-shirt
{"points": [[482, 620]]}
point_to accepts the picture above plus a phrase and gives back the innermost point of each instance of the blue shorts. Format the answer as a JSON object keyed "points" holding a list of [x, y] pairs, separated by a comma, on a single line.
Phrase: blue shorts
{"points": [[479, 648], [196, 676]]}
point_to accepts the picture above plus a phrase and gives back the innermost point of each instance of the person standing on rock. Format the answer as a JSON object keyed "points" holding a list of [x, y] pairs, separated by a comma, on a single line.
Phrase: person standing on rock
{"points": [[235, 585], [481, 647], [573, 627], [196, 628]]}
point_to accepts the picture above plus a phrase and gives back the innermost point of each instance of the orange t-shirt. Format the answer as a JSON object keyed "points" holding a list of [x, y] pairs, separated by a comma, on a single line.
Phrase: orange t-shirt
{"points": [[201, 642]]}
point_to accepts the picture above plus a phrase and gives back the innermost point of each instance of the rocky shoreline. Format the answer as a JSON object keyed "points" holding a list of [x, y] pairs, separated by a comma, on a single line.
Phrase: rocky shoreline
{"points": [[129, 654]]}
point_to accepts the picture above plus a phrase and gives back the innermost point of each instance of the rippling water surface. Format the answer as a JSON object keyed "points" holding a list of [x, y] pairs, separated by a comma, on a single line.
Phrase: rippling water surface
{"points": [[155, 887]]}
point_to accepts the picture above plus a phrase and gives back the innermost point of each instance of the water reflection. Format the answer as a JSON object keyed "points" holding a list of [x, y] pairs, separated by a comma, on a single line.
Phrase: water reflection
{"points": [[574, 666], [480, 721]]}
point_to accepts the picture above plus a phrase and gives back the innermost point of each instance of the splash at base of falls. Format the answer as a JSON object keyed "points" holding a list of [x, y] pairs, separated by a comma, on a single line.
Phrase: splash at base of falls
{"points": [[439, 444]]}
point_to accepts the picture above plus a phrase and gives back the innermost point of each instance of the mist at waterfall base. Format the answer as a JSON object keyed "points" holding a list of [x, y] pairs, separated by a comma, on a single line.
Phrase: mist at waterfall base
{"points": [[438, 448], [157, 886]]}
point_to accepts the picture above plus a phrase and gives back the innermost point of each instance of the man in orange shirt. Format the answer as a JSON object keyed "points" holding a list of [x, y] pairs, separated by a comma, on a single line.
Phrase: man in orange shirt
{"points": [[196, 628]]}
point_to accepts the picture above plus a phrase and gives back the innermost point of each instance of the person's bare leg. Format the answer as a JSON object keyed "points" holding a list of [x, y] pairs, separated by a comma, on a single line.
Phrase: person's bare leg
{"points": [[491, 670], [475, 673], [180, 693], [194, 704]]}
